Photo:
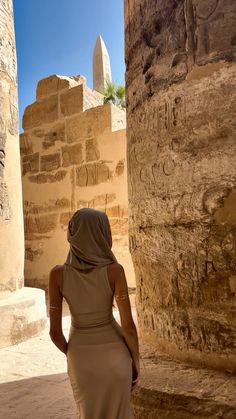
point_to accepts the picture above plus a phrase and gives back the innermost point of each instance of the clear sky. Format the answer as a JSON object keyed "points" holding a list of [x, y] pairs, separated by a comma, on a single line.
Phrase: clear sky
{"points": [[58, 36]]}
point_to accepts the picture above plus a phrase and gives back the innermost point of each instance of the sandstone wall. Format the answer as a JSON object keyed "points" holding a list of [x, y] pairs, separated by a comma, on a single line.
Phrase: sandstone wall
{"points": [[73, 155], [181, 102], [11, 217]]}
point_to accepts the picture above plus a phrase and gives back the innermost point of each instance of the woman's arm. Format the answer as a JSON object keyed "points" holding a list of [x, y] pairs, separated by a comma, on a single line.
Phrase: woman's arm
{"points": [[55, 309], [118, 278]]}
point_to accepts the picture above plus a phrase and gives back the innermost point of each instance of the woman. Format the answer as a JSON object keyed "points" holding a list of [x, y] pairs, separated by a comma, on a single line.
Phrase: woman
{"points": [[102, 357]]}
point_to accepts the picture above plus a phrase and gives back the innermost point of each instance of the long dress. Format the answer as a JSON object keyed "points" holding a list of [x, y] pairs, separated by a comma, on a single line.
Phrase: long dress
{"points": [[99, 362]]}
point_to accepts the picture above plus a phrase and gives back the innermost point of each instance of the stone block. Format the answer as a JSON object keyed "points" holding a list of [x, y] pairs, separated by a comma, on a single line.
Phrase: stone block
{"points": [[56, 133], [23, 315], [26, 146], [120, 167], [40, 224], [117, 212], [65, 218], [54, 84], [92, 174], [53, 205], [119, 226], [30, 163], [48, 177], [72, 155], [39, 113], [71, 102], [50, 162], [89, 124], [92, 150]]}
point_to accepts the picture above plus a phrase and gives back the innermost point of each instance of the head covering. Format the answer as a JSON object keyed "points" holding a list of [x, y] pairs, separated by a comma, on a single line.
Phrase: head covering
{"points": [[89, 235]]}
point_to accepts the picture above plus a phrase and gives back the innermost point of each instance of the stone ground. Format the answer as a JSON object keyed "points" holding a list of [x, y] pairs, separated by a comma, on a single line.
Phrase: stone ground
{"points": [[34, 385]]}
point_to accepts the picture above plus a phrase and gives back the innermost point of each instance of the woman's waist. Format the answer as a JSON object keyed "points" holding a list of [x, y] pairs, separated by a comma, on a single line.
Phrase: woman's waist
{"points": [[91, 324], [106, 333]]}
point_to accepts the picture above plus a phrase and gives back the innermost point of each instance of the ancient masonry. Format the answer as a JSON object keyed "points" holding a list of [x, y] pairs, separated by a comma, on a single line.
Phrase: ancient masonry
{"points": [[22, 310], [73, 153], [181, 102]]}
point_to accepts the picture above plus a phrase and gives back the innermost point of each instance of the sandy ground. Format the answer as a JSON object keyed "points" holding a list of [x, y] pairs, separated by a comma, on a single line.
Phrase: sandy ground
{"points": [[33, 379]]}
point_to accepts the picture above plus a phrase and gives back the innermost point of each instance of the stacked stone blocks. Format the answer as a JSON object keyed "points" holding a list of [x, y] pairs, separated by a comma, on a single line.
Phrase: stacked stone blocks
{"points": [[73, 153]]}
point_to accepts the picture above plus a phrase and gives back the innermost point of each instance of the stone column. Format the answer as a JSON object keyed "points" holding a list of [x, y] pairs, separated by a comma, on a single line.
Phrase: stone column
{"points": [[181, 100], [17, 304]]}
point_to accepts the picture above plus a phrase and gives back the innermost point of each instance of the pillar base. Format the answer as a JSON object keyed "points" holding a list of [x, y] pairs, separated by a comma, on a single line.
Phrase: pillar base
{"points": [[23, 315], [171, 389]]}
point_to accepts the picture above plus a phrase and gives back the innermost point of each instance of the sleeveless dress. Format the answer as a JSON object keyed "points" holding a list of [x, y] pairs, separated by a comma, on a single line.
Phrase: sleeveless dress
{"points": [[99, 362]]}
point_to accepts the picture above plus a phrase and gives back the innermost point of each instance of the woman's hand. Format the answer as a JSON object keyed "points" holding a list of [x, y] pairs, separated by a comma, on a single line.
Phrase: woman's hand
{"points": [[135, 372]]}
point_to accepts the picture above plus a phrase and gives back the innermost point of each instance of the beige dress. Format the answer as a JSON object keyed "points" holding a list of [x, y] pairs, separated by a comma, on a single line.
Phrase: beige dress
{"points": [[99, 363]]}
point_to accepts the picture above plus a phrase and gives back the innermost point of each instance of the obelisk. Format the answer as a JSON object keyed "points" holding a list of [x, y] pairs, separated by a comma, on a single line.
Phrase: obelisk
{"points": [[101, 66], [22, 310]]}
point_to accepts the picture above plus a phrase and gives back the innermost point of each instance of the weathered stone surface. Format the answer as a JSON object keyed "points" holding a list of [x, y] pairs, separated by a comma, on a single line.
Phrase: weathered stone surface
{"points": [[26, 146], [56, 133], [54, 84], [89, 124], [92, 150], [50, 162], [30, 163], [71, 101], [92, 174], [72, 155], [5, 211], [39, 113], [23, 315], [51, 206], [40, 224], [120, 167], [48, 177], [169, 389], [181, 100], [99, 202]]}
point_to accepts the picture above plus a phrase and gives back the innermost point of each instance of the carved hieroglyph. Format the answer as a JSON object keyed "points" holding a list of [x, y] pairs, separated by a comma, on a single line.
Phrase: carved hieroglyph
{"points": [[73, 153], [181, 101], [101, 66]]}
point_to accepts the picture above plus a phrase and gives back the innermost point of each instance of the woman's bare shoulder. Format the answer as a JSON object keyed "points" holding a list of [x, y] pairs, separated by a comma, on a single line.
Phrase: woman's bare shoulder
{"points": [[56, 273], [115, 269]]}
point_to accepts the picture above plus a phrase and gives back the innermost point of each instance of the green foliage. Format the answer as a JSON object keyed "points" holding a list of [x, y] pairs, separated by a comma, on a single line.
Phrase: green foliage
{"points": [[115, 94]]}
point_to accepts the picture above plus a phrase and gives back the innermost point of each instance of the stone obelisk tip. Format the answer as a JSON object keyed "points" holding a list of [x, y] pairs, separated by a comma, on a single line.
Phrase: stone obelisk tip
{"points": [[101, 66]]}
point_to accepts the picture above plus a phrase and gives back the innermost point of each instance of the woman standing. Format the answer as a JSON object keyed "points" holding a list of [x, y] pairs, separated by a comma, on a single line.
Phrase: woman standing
{"points": [[102, 357]]}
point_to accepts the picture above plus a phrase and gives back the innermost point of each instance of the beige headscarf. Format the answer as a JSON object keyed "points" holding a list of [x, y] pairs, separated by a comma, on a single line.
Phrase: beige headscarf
{"points": [[89, 235]]}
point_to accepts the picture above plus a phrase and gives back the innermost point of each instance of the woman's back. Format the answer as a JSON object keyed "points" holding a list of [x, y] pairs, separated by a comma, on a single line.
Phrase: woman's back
{"points": [[89, 296]]}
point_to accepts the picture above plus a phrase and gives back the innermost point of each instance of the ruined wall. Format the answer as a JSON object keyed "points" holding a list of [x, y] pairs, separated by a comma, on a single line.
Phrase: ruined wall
{"points": [[73, 155], [11, 217], [181, 102]]}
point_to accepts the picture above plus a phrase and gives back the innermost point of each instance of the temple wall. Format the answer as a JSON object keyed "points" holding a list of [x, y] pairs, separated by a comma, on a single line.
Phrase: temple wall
{"points": [[73, 153], [181, 101]]}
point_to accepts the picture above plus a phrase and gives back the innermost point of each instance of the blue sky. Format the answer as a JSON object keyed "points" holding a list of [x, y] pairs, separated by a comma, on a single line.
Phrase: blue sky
{"points": [[58, 36]]}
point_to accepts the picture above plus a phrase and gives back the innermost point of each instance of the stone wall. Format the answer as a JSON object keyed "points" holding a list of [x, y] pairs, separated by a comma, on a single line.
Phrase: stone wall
{"points": [[73, 153], [181, 102]]}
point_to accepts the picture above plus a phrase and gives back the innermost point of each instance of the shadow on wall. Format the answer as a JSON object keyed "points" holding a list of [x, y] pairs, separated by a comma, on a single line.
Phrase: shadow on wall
{"points": [[48, 396]]}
